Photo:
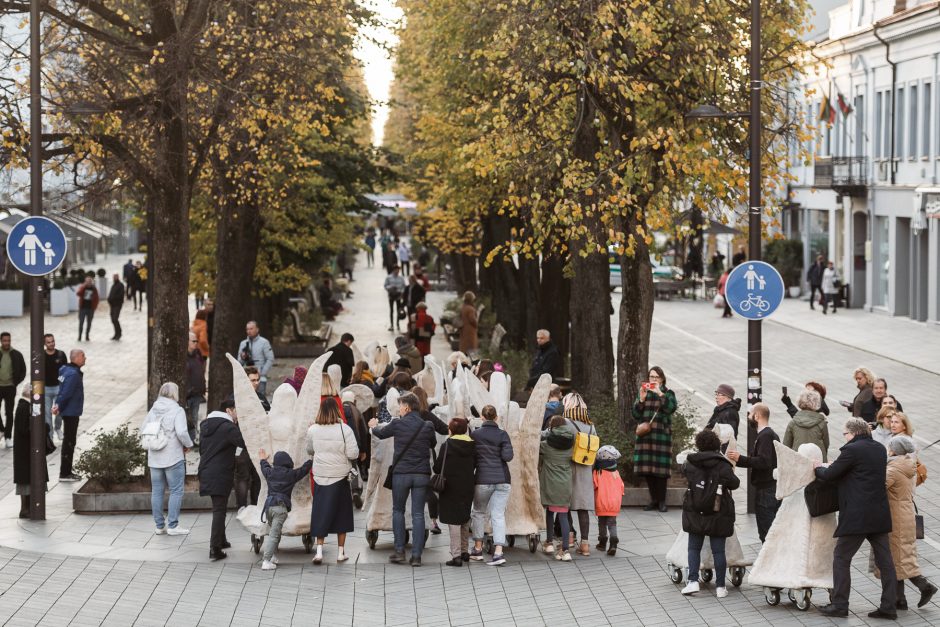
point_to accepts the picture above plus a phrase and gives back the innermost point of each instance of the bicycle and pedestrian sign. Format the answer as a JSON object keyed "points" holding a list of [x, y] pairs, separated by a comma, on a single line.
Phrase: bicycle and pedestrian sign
{"points": [[754, 290], [36, 246]]}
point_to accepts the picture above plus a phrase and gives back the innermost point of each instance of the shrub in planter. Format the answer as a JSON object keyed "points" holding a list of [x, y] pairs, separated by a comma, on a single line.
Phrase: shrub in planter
{"points": [[114, 458], [58, 284], [102, 273], [787, 256]]}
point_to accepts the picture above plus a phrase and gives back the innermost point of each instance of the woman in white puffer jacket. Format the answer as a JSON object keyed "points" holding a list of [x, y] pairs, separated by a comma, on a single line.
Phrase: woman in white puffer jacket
{"points": [[168, 464]]}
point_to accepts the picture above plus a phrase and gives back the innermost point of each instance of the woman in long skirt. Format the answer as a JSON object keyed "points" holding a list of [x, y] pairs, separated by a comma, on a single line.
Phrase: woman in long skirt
{"points": [[333, 447]]}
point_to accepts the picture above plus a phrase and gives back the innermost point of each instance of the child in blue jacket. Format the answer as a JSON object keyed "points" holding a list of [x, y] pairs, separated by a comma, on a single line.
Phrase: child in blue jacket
{"points": [[281, 478]]}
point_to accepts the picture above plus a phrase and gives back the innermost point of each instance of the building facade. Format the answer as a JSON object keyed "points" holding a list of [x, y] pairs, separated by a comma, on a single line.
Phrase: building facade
{"points": [[870, 197]]}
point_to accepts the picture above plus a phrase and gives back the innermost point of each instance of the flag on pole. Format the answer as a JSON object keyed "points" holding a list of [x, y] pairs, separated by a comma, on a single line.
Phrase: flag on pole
{"points": [[845, 107], [827, 112]]}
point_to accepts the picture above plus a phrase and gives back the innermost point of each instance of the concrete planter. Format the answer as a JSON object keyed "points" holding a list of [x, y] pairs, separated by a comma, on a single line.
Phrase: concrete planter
{"points": [[794, 291], [101, 282], [11, 303], [73, 297], [639, 497], [59, 302], [136, 498]]}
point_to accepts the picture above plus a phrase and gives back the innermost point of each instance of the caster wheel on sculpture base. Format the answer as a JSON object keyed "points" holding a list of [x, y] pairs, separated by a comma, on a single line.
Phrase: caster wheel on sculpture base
{"points": [[706, 575], [737, 576], [533, 543], [357, 501], [372, 537], [676, 575], [255, 544], [772, 596], [308, 543], [791, 595], [803, 598]]}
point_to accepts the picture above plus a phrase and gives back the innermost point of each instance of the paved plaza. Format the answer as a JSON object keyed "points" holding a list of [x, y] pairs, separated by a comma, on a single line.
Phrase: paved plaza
{"points": [[111, 569]]}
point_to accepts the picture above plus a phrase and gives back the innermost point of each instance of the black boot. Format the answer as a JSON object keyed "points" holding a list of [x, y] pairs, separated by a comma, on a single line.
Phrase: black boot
{"points": [[24, 506], [613, 547], [601, 544], [217, 554]]}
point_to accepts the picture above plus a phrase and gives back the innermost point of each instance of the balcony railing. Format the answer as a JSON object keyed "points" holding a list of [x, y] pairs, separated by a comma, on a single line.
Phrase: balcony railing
{"points": [[841, 173]]}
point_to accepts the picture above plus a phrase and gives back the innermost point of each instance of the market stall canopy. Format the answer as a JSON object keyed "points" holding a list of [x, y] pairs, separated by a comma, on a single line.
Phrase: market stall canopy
{"points": [[390, 205]]}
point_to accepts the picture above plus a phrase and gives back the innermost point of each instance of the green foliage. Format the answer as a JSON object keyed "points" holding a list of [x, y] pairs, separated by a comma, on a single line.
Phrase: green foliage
{"points": [[113, 457], [786, 255]]}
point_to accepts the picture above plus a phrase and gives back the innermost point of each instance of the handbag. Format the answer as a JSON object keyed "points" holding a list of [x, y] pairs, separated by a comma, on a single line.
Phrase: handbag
{"points": [[918, 523], [921, 472], [645, 428], [438, 480], [353, 473], [391, 469], [822, 497], [718, 301]]}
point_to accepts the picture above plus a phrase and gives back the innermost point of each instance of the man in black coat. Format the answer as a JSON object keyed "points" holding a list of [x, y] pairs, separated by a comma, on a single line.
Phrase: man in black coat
{"points": [[219, 442], [726, 409], [864, 514], [12, 373], [547, 359], [116, 301], [762, 461], [815, 275], [343, 357]]}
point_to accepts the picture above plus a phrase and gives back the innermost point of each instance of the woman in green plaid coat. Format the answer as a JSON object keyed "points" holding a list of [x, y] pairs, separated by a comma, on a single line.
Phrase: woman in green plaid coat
{"points": [[652, 456]]}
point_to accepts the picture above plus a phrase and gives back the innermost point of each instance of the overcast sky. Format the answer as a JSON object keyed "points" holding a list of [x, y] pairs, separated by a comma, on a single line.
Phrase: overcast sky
{"points": [[377, 62]]}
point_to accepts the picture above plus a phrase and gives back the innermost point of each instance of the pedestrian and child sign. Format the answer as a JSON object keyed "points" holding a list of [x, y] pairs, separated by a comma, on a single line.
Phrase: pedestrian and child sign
{"points": [[36, 246], [754, 290]]}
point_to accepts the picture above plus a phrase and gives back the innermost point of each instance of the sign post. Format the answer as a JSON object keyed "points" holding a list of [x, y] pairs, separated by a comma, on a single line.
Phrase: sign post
{"points": [[37, 246]]}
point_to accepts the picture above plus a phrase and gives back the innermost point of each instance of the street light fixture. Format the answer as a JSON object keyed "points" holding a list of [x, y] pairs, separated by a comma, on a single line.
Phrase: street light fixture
{"points": [[755, 211]]}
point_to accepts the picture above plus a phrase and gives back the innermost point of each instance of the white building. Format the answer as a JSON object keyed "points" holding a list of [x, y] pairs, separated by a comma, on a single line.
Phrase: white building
{"points": [[870, 199]]}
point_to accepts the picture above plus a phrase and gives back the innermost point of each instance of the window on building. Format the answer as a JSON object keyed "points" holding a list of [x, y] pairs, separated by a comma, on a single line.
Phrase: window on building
{"points": [[879, 121], [889, 111], [899, 124], [860, 148], [925, 132], [912, 121]]}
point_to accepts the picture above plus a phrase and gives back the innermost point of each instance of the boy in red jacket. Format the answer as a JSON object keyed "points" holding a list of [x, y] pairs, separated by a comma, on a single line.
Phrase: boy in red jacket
{"points": [[608, 496]]}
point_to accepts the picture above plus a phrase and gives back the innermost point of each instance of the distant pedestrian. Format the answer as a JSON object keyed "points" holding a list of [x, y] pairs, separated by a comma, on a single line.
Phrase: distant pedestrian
{"points": [[608, 497], [652, 456], [219, 439], [12, 373], [864, 514], [168, 464], [87, 304], [708, 509], [395, 289], [256, 351], [201, 329], [195, 378], [414, 439], [22, 453], [810, 385], [468, 324], [763, 461], [333, 447], [369, 243], [281, 478], [739, 257], [409, 352], [414, 294], [722, 291], [135, 286], [423, 327], [903, 538], [342, 356], [830, 287], [457, 463], [404, 257], [116, 301], [808, 426], [864, 380], [209, 308], [70, 403], [55, 359], [726, 409], [547, 359], [555, 483], [814, 276], [128, 272], [491, 496], [389, 256]]}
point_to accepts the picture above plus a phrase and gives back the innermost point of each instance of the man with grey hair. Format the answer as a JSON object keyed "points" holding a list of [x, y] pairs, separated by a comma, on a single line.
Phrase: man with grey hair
{"points": [[864, 514], [547, 359], [70, 403], [256, 351]]}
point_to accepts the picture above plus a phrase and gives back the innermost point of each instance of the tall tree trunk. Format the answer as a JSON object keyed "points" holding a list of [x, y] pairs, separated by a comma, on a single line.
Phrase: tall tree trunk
{"points": [[237, 252], [633, 337], [554, 299]]}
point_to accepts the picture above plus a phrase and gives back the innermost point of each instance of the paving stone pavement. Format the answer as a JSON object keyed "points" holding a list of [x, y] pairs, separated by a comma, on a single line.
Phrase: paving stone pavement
{"points": [[111, 570]]}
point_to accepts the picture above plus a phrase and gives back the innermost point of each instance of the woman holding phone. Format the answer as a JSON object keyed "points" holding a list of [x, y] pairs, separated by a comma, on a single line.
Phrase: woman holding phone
{"points": [[652, 457]]}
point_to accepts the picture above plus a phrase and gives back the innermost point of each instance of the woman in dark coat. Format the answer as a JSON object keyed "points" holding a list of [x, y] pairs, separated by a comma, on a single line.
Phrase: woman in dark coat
{"points": [[457, 460], [703, 469], [219, 439], [22, 462], [652, 457]]}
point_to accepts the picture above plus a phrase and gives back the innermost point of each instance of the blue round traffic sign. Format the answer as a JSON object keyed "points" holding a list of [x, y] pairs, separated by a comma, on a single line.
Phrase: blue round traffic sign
{"points": [[754, 290], [36, 246]]}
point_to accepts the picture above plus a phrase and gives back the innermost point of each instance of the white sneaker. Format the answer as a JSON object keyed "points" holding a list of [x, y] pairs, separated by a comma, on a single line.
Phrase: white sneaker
{"points": [[266, 565], [159, 531], [548, 548], [721, 592], [691, 588], [9, 443], [274, 560], [177, 531]]}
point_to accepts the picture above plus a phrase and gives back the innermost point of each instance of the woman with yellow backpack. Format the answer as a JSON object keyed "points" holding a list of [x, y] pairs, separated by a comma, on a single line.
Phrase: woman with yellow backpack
{"points": [[586, 443]]}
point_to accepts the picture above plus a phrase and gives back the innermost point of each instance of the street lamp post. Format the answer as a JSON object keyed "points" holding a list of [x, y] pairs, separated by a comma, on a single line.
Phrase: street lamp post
{"points": [[754, 213]]}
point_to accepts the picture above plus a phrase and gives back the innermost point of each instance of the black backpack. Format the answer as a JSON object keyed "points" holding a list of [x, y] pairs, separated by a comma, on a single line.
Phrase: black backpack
{"points": [[704, 497]]}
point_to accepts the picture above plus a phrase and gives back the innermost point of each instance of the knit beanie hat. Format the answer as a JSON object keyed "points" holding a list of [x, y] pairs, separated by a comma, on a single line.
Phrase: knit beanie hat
{"points": [[608, 453]]}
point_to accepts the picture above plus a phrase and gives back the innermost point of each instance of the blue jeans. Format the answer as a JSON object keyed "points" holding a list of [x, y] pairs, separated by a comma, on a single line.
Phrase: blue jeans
{"points": [[85, 314], [49, 398], [766, 510], [696, 542], [490, 498], [402, 486], [550, 528], [174, 476]]}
